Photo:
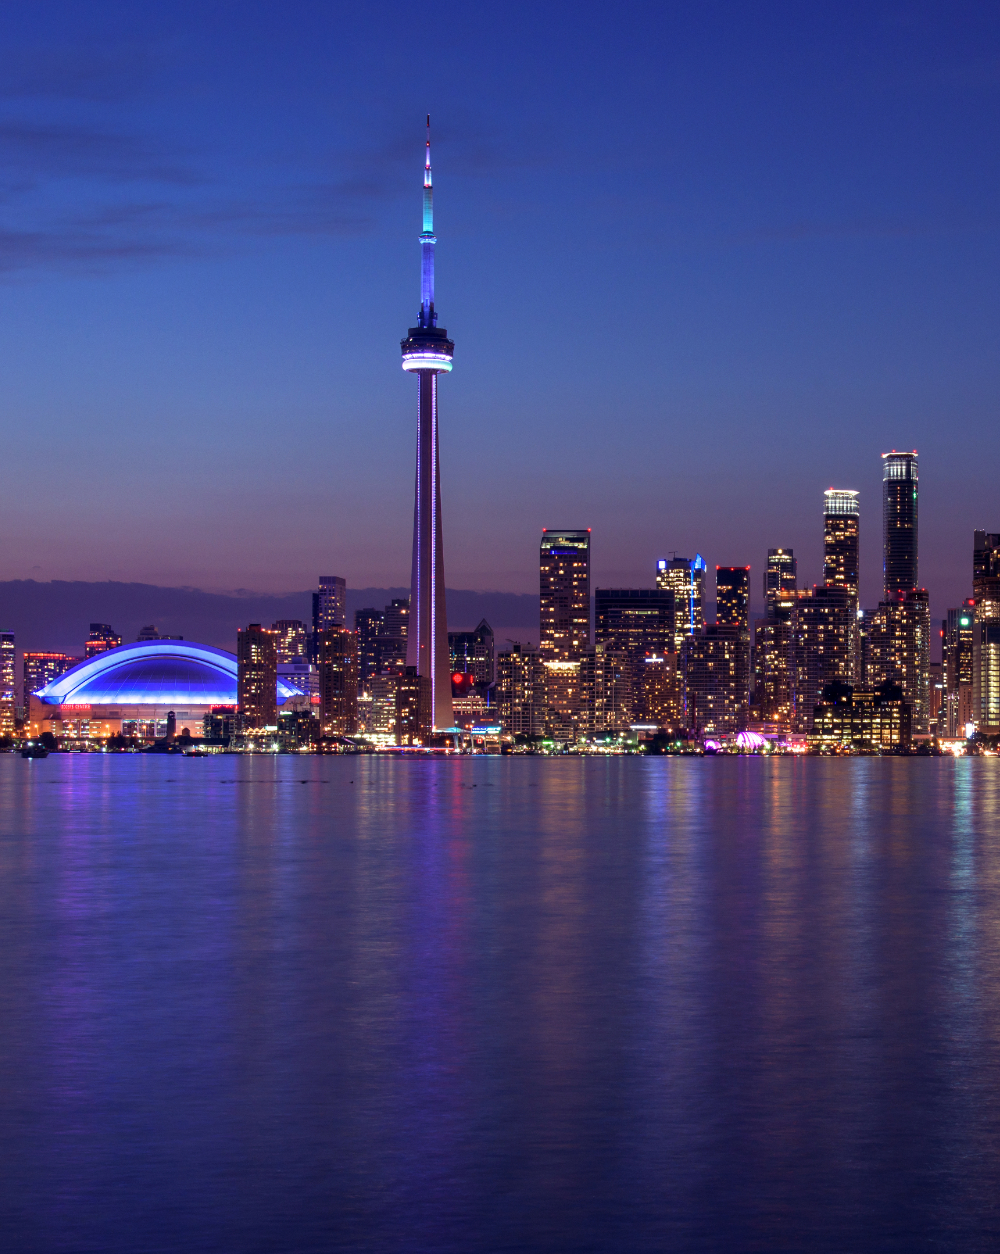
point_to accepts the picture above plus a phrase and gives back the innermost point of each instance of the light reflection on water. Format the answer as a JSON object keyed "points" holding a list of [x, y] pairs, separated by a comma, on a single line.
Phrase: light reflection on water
{"points": [[499, 1004]]}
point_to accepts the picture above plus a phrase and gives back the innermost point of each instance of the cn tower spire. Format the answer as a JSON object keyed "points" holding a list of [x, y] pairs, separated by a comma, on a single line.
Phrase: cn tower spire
{"points": [[428, 318], [427, 352]]}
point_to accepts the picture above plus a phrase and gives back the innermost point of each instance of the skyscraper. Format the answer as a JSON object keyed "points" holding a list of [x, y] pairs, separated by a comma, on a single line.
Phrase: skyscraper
{"points": [[732, 611], [329, 603], [369, 625], [564, 626], [986, 574], [638, 622], [841, 552], [564, 594], [427, 352], [823, 639], [780, 578], [899, 522], [337, 658], [957, 659], [899, 642], [7, 655], [685, 577], [257, 676], [471, 653], [293, 644]]}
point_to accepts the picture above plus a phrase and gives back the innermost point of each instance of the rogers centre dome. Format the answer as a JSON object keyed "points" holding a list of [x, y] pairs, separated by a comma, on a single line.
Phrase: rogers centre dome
{"points": [[142, 683]]}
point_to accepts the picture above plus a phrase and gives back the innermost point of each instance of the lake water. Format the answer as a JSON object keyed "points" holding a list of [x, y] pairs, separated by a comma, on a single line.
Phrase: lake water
{"points": [[499, 1004]]}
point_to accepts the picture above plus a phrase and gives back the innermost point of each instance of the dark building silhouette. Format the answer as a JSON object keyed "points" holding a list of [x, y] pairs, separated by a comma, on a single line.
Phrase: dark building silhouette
{"points": [[638, 622], [369, 624], [102, 637], [471, 653], [414, 711]]}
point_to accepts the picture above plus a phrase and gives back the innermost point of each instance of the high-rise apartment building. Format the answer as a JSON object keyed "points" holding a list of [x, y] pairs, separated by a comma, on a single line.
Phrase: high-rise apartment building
{"points": [[841, 541], [329, 603], [393, 643], [293, 640], [521, 691], [685, 578], [716, 697], [414, 707], [986, 632], [257, 676], [957, 667], [773, 639], [822, 648], [369, 624], [732, 609], [471, 653], [40, 669], [899, 651], [102, 637], [7, 671], [899, 522], [986, 574], [606, 691], [337, 659], [658, 692]]}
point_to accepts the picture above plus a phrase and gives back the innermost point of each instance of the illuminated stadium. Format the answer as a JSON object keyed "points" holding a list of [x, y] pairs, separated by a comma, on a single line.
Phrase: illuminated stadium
{"points": [[132, 689]]}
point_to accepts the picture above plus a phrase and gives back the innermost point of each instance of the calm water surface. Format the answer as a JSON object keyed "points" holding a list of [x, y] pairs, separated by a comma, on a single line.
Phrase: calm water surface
{"points": [[494, 1004]]}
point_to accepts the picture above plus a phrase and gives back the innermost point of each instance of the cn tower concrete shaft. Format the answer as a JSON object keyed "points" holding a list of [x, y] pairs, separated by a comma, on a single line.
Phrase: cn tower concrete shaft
{"points": [[427, 352]]}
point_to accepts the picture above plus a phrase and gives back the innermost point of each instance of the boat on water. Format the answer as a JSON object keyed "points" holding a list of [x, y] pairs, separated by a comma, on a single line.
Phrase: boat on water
{"points": [[34, 749]]}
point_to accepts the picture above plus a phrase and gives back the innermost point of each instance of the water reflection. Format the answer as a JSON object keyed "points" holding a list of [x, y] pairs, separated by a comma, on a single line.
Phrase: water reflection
{"points": [[489, 1004]]}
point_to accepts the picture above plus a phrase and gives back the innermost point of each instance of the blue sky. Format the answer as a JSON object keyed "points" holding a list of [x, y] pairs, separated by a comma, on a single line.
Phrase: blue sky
{"points": [[700, 263]]}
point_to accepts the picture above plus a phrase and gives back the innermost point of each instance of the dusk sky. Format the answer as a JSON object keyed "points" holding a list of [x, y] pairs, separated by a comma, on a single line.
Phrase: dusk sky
{"points": [[700, 262]]}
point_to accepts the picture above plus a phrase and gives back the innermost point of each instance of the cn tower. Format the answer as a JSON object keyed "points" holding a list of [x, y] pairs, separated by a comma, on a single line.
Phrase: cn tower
{"points": [[427, 352]]}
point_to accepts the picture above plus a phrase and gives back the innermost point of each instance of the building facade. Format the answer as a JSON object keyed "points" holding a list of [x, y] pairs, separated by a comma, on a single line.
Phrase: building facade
{"points": [[40, 669], [899, 522], [521, 692], [716, 699], [471, 653], [637, 622], [822, 648], [101, 638], [8, 667], [564, 595], [899, 651], [842, 541], [685, 578], [257, 676], [337, 660], [414, 707], [293, 640], [957, 667]]}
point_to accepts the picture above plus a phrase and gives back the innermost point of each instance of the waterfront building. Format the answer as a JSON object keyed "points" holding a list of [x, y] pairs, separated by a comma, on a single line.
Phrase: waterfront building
{"points": [[986, 676], [899, 522], [899, 651], [414, 707], [773, 657], [131, 690], [937, 722], [337, 660], [606, 690], [841, 541], [377, 706], [293, 641], [298, 729], [715, 687], [659, 693], [957, 667], [369, 624], [822, 648], [564, 595], [39, 669], [8, 668], [257, 682], [471, 653], [732, 609], [428, 352], [685, 578], [521, 691], [102, 637], [872, 719], [564, 712]]}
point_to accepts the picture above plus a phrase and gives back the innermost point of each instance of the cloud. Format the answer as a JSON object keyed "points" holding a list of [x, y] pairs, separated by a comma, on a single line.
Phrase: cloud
{"points": [[98, 75], [33, 151]]}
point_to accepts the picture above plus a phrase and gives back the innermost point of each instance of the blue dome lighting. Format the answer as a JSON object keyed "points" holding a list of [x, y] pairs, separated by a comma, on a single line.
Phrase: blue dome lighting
{"points": [[155, 672]]}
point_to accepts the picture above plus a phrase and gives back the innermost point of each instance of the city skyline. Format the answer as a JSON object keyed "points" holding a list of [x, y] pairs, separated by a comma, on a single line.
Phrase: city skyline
{"points": [[791, 313]]}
